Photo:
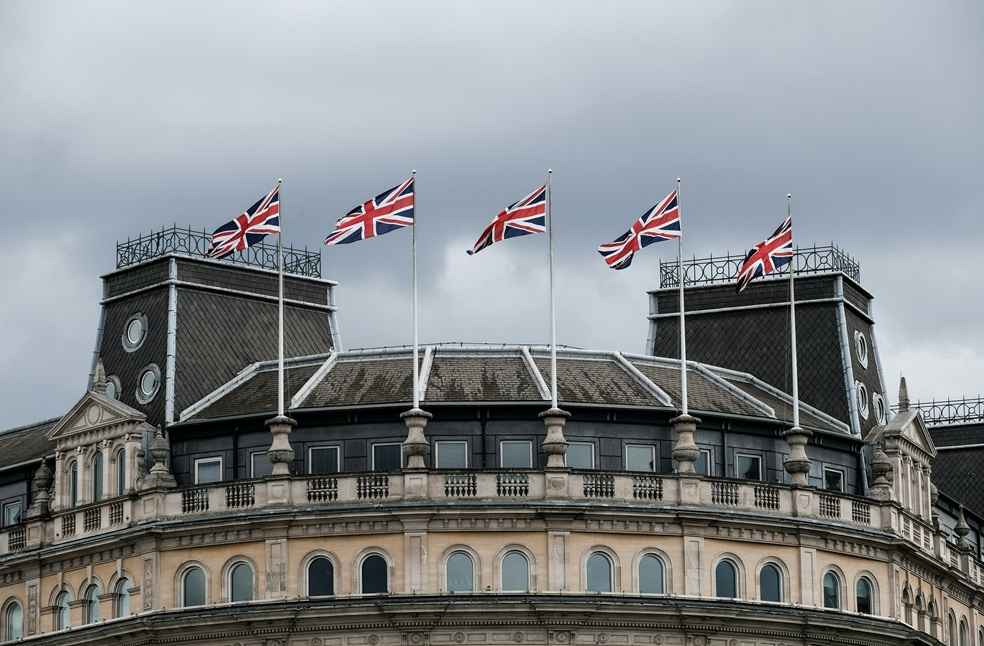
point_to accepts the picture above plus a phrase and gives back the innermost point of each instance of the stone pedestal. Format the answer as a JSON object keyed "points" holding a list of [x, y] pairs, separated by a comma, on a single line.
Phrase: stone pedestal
{"points": [[41, 499], [280, 453], [881, 471], [415, 450], [798, 464], [160, 476], [685, 451], [554, 445]]}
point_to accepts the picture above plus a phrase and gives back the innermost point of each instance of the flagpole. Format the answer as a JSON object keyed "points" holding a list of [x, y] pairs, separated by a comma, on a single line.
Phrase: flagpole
{"points": [[553, 304], [413, 306], [280, 304], [792, 322], [684, 409]]}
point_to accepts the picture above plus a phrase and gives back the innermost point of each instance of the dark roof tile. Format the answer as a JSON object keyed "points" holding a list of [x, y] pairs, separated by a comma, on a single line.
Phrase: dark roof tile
{"points": [[486, 378], [26, 443], [593, 381], [369, 381]]}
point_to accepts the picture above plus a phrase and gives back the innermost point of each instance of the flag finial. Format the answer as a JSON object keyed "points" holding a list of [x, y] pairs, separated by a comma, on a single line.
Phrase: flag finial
{"points": [[903, 395], [280, 180]]}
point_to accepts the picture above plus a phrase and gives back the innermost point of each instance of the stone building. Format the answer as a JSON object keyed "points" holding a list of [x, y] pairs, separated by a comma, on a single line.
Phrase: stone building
{"points": [[170, 505]]}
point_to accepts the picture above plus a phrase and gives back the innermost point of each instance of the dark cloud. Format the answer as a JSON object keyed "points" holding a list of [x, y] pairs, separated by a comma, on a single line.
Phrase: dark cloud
{"points": [[119, 117]]}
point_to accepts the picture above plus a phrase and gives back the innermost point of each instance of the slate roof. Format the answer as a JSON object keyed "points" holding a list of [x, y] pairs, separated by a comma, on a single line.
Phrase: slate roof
{"points": [[463, 374], [26, 443], [957, 435], [957, 473]]}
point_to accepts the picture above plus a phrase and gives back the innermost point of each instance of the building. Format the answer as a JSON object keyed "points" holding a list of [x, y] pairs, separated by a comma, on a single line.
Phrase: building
{"points": [[171, 505]]}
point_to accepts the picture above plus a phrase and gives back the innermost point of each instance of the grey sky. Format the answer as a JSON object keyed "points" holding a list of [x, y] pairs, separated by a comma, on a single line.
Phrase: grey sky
{"points": [[118, 117]]}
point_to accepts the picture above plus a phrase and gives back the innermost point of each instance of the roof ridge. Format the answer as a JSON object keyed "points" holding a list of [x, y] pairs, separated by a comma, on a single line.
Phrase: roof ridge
{"points": [[24, 427]]}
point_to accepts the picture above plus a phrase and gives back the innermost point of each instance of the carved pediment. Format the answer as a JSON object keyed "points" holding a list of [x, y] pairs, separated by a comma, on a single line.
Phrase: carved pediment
{"points": [[907, 426], [93, 412]]}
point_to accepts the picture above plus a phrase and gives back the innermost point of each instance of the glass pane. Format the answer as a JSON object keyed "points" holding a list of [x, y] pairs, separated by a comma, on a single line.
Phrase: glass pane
{"points": [[148, 382], [374, 575], [452, 455], [703, 465], [241, 582], [726, 580], [321, 578], [324, 460], [770, 583], [92, 604], [460, 573], [73, 485], [599, 573], [262, 466], [831, 591], [194, 587], [833, 480], [120, 473], [123, 598], [864, 597], [516, 454], [97, 477], [640, 458], [580, 455], [11, 513], [387, 457], [62, 604], [650, 575], [111, 390], [14, 622], [515, 573], [748, 467], [208, 471], [134, 331]]}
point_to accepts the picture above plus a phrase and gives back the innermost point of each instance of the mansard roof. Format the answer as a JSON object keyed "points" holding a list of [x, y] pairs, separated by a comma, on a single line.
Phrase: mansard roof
{"points": [[510, 374], [26, 444]]}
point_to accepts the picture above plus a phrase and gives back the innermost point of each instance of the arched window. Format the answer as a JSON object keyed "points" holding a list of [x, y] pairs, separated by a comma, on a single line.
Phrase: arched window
{"points": [[515, 572], [121, 472], [241, 582], [121, 598], [375, 578], [97, 476], [831, 591], [598, 571], [193, 587], [726, 580], [73, 484], [934, 619], [460, 572], [980, 637], [652, 575], [921, 613], [951, 629], [770, 583], [907, 605], [321, 577], [92, 604], [13, 622], [62, 617], [864, 596], [963, 632]]}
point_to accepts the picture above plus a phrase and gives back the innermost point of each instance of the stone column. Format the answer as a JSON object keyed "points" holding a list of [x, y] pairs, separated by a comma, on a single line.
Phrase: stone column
{"points": [[555, 448], [926, 493], [280, 453], [415, 449], [798, 464]]}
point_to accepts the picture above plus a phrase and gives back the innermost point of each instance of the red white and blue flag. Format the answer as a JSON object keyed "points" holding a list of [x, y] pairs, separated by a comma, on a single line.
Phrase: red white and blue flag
{"points": [[390, 210], [768, 256], [661, 222], [249, 227], [522, 218]]}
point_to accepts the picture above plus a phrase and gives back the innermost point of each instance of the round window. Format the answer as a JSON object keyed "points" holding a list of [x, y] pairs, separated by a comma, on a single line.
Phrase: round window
{"points": [[149, 383], [134, 332], [861, 346], [881, 414], [862, 399], [113, 387]]}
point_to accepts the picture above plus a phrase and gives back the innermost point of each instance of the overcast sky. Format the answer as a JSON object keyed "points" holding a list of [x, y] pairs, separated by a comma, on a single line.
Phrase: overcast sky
{"points": [[119, 117]]}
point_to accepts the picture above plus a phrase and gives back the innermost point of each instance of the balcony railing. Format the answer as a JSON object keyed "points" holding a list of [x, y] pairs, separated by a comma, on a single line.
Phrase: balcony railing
{"points": [[718, 270], [938, 412]]}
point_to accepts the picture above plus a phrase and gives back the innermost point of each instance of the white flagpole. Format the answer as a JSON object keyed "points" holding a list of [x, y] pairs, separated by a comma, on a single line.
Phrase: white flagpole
{"points": [[280, 305], [792, 323], [684, 409], [553, 303], [413, 306]]}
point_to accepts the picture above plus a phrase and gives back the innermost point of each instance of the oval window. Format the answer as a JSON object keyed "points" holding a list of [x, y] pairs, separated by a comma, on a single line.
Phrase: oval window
{"points": [[862, 399], [881, 414], [134, 332], [149, 383], [113, 387]]}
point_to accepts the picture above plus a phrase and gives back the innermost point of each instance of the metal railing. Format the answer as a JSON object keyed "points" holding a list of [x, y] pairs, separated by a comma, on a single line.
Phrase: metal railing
{"points": [[937, 412], [714, 270], [189, 242]]}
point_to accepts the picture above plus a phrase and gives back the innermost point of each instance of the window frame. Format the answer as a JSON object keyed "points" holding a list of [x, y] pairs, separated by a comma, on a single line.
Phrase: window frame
{"points": [[361, 570], [736, 569], [664, 568], [447, 573], [873, 590], [752, 456], [710, 462], [781, 573], [652, 452], [611, 571], [529, 569], [843, 481], [63, 613], [210, 459], [239, 562], [594, 463], [437, 453], [252, 464], [130, 345], [838, 586], [8, 624], [861, 396], [372, 455], [307, 575], [98, 476], [10, 502], [502, 455], [91, 612], [121, 590], [182, 580], [119, 462], [142, 396], [322, 447], [73, 483]]}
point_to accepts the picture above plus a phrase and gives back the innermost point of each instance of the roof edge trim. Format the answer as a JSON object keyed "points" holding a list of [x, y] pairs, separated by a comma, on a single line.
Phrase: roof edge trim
{"points": [[315, 379], [642, 379], [242, 377], [541, 383], [727, 385]]}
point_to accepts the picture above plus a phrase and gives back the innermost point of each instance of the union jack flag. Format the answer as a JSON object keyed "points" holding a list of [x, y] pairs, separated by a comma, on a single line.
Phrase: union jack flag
{"points": [[390, 210], [249, 227], [768, 256], [662, 222], [521, 218]]}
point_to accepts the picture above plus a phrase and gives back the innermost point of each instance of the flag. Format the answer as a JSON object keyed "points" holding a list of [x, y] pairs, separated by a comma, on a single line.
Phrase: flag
{"points": [[390, 210], [768, 256], [661, 222], [249, 227], [521, 218]]}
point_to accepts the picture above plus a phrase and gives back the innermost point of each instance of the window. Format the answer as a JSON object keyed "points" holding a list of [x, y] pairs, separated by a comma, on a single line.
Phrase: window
{"points": [[121, 599], [323, 459], [861, 346], [599, 573], [120, 472], [148, 383], [460, 572], [640, 457], [951, 629], [881, 414], [259, 464], [387, 457], [12, 513], [831, 591], [13, 622], [451, 455], [516, 454], [963, 632], [748, 467], [862, 393], [193, 587], [864, 595], [704, 461], [770, 583], [134, 332], [92, 604], [62, 616], [97, 476], [73, 484], [580, 455], [320, 577], [515, 572], [726, 580], [113, 387], [375, 578], [651, 575], [241, 582], [208, 470], [833, 479]]}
